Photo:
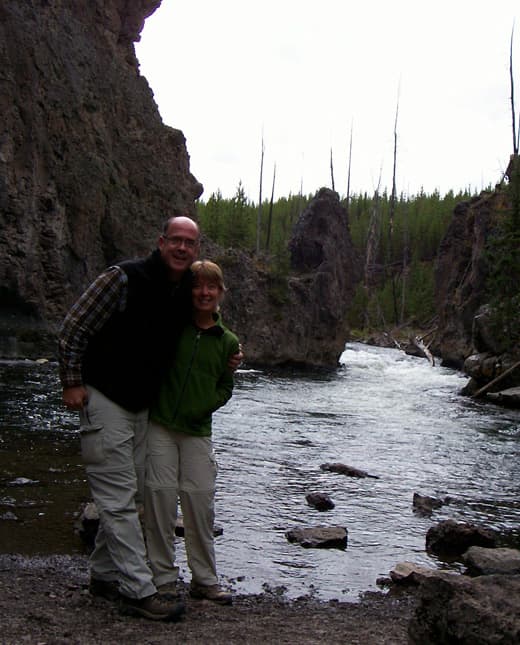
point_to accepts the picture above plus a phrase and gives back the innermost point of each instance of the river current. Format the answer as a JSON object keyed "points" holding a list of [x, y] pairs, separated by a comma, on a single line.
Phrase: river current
{"points": [[381, 411]]}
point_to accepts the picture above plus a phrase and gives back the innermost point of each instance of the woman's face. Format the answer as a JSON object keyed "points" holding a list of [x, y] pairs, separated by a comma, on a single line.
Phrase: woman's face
{"points": [[206, 295]]}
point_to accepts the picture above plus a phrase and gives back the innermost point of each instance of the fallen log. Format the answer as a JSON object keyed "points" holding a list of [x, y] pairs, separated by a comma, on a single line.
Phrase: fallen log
{"points": [[496, 380]]}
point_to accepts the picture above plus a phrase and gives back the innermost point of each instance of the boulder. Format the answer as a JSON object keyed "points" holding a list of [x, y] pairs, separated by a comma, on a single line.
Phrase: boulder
{"points": [[481, 561], [414, 574], [317, 537], [451, 538], [424, 504], [87, 525], [320, 501], [473, 611], [509, 396]]}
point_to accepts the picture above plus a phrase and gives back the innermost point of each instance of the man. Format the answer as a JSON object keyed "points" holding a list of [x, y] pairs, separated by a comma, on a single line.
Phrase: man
{"points": [[115, 346]]}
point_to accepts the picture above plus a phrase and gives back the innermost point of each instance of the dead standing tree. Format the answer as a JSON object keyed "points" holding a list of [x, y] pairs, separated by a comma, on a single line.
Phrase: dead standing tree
{"points": [[332, 171], [372, 248], [259, 216], [391, 218], [270, 218], [513, 115], [347, 201]]}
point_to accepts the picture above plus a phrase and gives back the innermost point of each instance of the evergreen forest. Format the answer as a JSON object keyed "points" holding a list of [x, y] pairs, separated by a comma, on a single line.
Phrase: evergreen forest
{"points": [[400, 234]]}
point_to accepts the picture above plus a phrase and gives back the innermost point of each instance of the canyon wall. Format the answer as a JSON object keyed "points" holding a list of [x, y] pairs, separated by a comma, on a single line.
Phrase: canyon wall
{"points": [[88, 173]]}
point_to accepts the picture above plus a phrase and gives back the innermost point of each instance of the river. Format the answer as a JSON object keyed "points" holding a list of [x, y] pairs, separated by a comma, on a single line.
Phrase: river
{"points": [[381, 411]]}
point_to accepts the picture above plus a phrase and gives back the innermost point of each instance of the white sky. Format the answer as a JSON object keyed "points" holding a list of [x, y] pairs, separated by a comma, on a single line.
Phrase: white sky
{"points": [[304, 72]]}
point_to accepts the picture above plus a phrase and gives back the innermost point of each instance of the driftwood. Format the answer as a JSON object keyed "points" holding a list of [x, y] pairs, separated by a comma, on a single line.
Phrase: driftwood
{"points": [[496, 380], [418, 342]]}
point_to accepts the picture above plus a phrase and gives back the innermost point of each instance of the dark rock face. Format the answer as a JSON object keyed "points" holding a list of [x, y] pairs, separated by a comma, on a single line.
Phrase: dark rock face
{"points": [[299, 319], [461, 274], [88, 171]]}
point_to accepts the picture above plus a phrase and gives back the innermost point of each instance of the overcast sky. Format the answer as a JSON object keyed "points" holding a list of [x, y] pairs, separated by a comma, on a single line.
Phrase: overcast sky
{"points": [[304, 73]]}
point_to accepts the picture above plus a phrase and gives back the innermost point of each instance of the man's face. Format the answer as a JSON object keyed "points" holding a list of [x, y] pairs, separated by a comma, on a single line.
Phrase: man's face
{"points": [[179, 246]]}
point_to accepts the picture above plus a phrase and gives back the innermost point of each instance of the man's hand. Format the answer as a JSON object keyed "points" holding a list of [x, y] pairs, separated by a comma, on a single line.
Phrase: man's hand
{"points": [[236, 360], [75, 397]]}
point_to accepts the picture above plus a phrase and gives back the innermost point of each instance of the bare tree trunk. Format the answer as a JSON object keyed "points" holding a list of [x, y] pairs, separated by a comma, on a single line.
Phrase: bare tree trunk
{"points": [[513, 115], [348, 174], [372, 243], [391, 217], [404, 272], [270, 219], [332, 170], [259, 216]]}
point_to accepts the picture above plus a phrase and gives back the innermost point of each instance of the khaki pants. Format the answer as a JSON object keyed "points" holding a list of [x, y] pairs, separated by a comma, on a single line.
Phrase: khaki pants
{"points": [[113, 445], [180, 466]]}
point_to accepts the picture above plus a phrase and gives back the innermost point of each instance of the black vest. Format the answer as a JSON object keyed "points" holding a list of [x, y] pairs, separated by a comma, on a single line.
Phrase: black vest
{"points": [[127, 359]]}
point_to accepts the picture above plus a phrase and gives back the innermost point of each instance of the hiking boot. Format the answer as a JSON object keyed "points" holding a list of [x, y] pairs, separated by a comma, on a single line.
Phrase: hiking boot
{"points": [[108, 589], [211, 592], [169, 590], [154, 607]]}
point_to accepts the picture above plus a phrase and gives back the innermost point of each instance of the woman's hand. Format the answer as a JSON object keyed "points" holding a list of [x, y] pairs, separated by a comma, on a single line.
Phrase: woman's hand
{"points": [[236, 359]]}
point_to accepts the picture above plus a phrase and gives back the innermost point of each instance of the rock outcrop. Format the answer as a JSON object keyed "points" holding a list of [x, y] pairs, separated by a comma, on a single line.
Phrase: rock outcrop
{"points": [[469, 336], [295, 317], [461, 274], [88, 171], [467, 610]]}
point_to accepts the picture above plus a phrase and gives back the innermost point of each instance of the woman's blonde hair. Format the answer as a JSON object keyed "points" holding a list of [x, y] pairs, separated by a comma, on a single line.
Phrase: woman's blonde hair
{"points": [[209, 272]]}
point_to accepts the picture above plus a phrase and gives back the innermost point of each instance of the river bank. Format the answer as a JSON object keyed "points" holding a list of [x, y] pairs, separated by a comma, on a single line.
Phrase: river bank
{"points": [[45, 600]]}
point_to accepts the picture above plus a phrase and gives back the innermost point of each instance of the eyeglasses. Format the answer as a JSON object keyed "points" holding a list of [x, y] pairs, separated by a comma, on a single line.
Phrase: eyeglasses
{"points": [[177, 242]]}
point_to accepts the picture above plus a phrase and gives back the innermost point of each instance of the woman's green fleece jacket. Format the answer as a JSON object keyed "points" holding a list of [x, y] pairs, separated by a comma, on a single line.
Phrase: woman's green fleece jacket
{"points": [[199, 382]]}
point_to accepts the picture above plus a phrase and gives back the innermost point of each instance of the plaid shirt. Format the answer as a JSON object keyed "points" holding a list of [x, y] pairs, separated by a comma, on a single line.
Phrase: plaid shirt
{"points": [[106, 295]]}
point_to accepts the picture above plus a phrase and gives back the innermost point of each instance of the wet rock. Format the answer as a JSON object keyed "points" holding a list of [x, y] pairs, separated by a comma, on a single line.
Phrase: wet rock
{"points": [[179, 528], [320, 501], [414, 574], [343, 469], [467, 610], [424, 504], [450, 538], [9, 516], [481, 561], [317, 537], [23, 481], [509, 396], [88, 523]]}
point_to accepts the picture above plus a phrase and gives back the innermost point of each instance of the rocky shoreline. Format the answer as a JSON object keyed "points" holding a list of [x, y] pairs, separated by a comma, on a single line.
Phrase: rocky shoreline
{"points": [[45, 600]]}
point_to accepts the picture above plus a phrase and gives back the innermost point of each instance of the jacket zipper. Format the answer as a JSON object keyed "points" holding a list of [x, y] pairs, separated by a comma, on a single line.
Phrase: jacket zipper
{"points": [[188, 372]]}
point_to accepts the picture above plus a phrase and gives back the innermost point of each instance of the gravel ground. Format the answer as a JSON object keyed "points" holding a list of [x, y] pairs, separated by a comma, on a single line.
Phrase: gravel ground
{"points": [[44, 601]]}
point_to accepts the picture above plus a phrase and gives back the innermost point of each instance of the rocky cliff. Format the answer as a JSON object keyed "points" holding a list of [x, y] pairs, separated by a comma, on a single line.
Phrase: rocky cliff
{"points": [[296, 317], [88, 172], [467, 337], [461, 273]]}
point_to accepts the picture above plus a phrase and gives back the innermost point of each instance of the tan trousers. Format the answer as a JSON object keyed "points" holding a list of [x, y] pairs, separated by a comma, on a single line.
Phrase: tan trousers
{"points": [[113, 445], [184, 467]]}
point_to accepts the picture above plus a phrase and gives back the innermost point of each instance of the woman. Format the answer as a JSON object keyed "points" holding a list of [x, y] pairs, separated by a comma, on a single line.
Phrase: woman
{"points": [[180, 458]]}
